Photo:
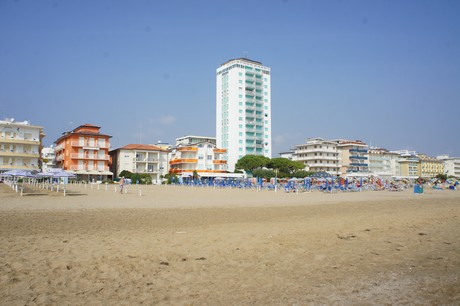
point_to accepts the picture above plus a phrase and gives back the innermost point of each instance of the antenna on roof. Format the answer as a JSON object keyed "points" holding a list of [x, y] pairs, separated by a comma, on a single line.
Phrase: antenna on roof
{"points": [[245, 54]]}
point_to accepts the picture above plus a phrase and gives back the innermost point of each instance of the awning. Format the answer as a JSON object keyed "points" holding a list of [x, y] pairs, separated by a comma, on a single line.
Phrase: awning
{"points": [[106, 173], [94, 172], [81, 172]]}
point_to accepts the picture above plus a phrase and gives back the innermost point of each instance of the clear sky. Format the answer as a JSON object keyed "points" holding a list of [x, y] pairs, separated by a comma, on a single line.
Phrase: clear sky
{"points": [[384, 72]]}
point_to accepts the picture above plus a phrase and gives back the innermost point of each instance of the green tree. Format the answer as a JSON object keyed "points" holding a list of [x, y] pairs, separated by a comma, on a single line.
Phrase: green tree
{"points": [[441, 177], [252, 162], [285, 166], [279, 163], [296, 166], [266, 174], [126, 174]]}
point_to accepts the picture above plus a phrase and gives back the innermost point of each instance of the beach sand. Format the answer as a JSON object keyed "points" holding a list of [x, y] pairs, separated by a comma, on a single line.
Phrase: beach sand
{"points": [[201, 246]]}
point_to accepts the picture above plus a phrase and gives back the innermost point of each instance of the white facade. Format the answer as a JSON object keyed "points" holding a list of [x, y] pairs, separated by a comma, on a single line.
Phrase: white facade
{"points": [[20, 145], [318, 155], [48, 158], [451, 165], [142, 159], [243, 109], [203, 157], [190, 139], [383, 163]]}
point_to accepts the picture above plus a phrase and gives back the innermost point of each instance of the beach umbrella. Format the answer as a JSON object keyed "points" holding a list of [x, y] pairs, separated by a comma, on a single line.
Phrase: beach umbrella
{"points": [[9, 173], [63, 174], [57, 173], [20, 173]]}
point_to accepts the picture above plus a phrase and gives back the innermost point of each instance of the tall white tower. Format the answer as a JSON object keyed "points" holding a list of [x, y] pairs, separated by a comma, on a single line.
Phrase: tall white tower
{"points": [[243, 109]]}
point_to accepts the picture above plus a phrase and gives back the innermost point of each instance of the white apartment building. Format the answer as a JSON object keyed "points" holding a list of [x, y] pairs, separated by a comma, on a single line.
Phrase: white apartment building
{"points": [[451, 165], [142, 159], [318, 155], [48, 158], [243, 109], [200, 154], [383, 163], [20, 145]]}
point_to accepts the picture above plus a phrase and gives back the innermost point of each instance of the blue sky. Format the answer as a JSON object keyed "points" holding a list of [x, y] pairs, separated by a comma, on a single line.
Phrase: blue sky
{"points": [[384, 72]]}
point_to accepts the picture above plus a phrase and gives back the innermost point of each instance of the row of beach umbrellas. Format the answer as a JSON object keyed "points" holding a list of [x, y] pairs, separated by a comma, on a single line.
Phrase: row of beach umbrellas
{"points": [[52, 173]]}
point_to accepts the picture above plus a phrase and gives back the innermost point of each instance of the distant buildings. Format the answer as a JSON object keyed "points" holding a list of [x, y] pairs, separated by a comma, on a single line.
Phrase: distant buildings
{"points": [[318, 155], [243, 109], [142, 159], [86, 151], [354, 158], [20, 145]]}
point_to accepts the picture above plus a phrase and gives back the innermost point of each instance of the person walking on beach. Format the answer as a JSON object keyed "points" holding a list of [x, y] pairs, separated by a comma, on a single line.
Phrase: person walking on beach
{"points": [[122, 184]]}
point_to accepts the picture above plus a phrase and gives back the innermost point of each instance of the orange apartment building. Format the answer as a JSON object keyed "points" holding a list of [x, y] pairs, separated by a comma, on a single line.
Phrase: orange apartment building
{"points": [[203, 157], [86, 151]]}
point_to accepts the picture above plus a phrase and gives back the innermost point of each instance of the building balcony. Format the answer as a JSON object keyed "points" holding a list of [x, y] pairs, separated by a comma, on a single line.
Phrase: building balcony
{"points": [[10, 153], [316, 150], [220, 150], [312, 158], [18, 167], [88, 156], [146, 160], [183, 161], [88, 168], [358, 150], [187, 149], [219, 161], [358, 157], [323, 165], [358, 165], [89, 146], [19, 141]]}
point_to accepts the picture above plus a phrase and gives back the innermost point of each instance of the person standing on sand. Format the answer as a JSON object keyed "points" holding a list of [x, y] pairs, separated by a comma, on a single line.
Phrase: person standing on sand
{"points": [[122, 184]]}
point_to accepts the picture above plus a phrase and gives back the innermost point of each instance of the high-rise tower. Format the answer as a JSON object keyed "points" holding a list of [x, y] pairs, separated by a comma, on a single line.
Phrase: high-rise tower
{"points": [[243, 109]]}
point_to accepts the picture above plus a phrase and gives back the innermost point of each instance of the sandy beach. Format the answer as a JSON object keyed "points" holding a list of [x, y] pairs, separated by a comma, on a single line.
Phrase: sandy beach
{"points": [[202, 246]]}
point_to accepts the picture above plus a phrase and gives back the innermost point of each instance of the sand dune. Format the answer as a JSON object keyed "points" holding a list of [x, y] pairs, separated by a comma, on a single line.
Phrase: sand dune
{"points": [[193, 246]]}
